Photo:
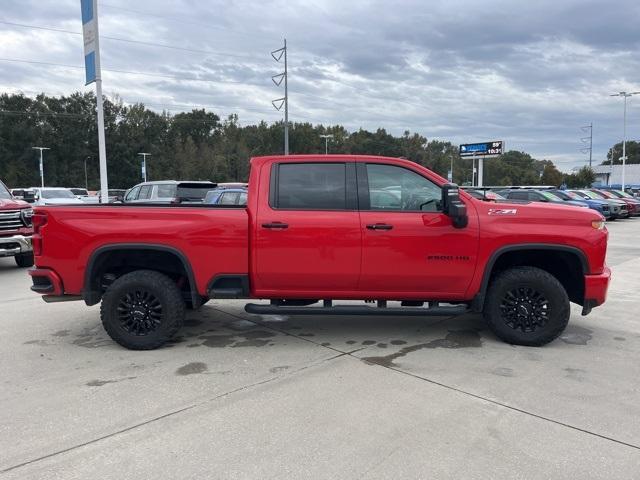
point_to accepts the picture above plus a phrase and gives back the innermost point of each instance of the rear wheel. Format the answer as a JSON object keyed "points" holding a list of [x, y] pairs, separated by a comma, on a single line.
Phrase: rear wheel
{"points": [[527, 306], [142, 310], [24, 260]]}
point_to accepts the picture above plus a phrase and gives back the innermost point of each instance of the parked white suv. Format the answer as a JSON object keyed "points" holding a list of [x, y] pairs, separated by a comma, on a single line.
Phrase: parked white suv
{"points": [[169, 191]]}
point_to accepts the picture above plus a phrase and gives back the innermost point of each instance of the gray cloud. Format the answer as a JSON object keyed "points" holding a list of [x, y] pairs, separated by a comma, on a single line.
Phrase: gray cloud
{"points": [[458, 70]]}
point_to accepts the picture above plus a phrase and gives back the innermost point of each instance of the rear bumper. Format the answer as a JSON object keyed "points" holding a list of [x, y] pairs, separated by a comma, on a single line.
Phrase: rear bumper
{"points": [[595, 290], [15, 245], [46, 282]]}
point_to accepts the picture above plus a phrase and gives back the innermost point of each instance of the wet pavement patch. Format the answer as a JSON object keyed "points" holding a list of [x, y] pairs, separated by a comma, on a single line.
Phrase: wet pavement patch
{"points": [[192, 322], [60, 333], [192, 368], [279, 369], [575, 335], [100, 383], [454, 339], [503, 372], [251, 338]]}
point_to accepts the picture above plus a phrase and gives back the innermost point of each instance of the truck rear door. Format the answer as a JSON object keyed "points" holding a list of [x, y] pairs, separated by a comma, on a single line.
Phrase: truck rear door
{"points": [[307, 230]]}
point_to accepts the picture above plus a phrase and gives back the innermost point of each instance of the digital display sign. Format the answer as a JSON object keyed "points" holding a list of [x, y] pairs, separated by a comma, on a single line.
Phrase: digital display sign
{"points": [[484, 149]]}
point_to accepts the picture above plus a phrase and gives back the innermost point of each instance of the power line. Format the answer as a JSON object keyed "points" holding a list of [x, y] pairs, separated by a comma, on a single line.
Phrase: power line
{"points": [[146, 74], [132, 41]]}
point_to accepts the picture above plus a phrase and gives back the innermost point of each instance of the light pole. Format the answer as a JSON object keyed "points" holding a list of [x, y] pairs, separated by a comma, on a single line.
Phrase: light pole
{"points": [[86, 181], [144, 165], [41, 164], [326, 142], [625, 95]]}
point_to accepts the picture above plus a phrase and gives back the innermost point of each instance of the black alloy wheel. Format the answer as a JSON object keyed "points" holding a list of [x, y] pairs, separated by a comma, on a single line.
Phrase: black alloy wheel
{"points": [[525, 309], [140, 312], [526, 306]]}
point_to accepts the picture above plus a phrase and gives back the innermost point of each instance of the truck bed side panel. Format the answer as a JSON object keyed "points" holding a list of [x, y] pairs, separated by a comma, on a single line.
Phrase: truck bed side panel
{"points": [[213, 240]]}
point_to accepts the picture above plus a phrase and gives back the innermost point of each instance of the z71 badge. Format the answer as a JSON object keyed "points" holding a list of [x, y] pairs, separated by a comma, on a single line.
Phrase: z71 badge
{"points": [[503, 211]]}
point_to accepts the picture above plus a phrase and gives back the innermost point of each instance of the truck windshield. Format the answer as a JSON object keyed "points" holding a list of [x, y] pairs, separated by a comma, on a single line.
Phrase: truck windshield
{"points": [[4, 193], [61, 193]]}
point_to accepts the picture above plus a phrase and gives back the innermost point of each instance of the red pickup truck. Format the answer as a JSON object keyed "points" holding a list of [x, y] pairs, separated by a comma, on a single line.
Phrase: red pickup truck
{"points": [[321, 229], [15, 228]]}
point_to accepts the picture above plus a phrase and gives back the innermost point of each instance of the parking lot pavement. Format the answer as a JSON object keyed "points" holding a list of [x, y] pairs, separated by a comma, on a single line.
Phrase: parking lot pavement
{"points": [[244, 396]]}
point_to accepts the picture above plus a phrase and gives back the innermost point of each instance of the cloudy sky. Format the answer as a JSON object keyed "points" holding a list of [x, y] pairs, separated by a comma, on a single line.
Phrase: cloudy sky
{"points": [[530, 73]]}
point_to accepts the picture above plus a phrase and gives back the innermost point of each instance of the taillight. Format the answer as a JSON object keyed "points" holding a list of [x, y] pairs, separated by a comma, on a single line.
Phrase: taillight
{"points": [[39, 220]]}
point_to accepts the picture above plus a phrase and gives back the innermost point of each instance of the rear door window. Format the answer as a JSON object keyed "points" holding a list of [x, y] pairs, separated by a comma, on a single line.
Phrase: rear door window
{"points": [[311, 186], [166, 191], [229, 198]]}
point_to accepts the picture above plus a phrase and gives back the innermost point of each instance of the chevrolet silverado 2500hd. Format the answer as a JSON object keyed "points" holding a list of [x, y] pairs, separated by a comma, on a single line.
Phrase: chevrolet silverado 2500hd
{"points": [[318, 230]]}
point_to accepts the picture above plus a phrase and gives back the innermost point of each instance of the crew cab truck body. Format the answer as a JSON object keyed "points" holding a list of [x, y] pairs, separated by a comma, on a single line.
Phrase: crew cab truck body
{"points": [[321, 229]]}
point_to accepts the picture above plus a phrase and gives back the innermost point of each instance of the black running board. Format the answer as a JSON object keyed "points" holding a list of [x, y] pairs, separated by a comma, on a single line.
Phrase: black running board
{"points": [[261, 309]]}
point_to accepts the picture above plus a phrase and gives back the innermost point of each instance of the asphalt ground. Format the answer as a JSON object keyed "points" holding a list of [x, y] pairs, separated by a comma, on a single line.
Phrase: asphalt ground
{"points": [[241, 396]]}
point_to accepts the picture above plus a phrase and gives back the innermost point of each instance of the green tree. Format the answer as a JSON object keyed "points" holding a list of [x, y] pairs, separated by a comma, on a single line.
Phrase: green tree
{"points": [[581, 179], [614, 156]]}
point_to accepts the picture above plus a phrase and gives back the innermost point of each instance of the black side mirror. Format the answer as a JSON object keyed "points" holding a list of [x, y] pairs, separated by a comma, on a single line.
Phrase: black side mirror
{"points": [[453, 207]]}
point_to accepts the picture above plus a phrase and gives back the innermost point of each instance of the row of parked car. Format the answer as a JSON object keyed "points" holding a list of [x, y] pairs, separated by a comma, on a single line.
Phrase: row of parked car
{"points": [[166, 191], [612, 204]]}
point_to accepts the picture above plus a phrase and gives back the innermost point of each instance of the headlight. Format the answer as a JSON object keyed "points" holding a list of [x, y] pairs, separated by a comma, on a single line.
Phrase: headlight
{"points": [[27, 215], [598, 224]]}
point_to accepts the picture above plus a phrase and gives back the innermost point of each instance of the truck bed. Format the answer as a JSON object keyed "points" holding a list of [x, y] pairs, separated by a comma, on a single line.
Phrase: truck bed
{"points": [[215, 238]]}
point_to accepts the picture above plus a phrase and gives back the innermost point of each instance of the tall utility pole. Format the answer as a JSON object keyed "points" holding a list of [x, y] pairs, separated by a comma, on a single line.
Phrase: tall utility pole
{"points": [[144, 165], [326, 142], [278, 103], [625, 95], [41, 164], [585, 129]]}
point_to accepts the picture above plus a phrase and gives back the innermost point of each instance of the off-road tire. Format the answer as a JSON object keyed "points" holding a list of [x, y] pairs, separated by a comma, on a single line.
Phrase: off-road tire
{"points": [[526, 306], [24, 260], [126, 318]]}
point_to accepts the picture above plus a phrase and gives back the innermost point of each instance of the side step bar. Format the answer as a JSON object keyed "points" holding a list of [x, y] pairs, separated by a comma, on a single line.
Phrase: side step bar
{"points": [[261, 309]]}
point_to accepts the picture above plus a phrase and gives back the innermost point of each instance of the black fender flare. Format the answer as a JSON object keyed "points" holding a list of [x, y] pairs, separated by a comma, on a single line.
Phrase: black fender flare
{"points": [[92, 296], [477, 303]]}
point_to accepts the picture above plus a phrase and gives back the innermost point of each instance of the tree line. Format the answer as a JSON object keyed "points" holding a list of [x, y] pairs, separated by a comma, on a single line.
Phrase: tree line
{"points": [[199, 145]]}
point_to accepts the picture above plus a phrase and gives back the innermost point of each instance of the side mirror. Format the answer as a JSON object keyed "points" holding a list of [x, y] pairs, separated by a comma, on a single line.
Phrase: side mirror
{"points": [[453, 207]]}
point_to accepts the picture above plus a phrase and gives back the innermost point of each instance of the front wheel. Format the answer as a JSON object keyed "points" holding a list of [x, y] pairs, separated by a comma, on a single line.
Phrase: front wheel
{"points": [[142, 310], [526, 306]]}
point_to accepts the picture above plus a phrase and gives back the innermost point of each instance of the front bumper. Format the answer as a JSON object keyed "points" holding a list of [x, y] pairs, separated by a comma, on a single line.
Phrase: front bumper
{"points": [[595, 290], [15, 245]]}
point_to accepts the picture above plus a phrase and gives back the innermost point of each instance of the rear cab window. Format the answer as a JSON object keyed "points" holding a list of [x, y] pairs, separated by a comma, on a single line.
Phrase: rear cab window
{"points": [[312, 186]]}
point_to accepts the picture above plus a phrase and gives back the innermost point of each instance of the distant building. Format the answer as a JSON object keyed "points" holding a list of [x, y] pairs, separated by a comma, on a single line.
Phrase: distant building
{"points": [[611, 175]]}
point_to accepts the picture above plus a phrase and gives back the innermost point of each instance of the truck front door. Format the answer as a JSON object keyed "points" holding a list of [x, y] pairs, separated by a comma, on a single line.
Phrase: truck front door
{"points": [[307, 230], [410, 249]]}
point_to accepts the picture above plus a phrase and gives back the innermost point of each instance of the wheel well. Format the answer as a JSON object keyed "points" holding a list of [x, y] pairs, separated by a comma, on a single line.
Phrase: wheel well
{"points": [[109, 263], [566, 266]]}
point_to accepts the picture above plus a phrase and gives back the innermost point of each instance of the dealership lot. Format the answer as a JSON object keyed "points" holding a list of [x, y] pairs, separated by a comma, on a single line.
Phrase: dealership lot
{"points": [[244, 396]]}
